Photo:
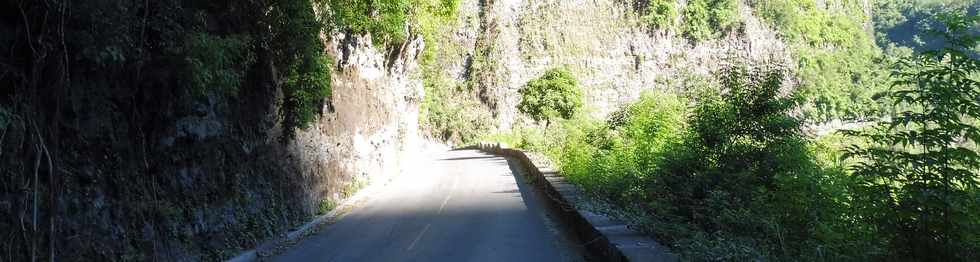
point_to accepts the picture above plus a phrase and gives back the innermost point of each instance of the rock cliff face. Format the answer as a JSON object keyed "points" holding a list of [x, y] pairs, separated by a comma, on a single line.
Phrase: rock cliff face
{"points": [[365, 133], [603, 42], [371, 126], [180, 178]]}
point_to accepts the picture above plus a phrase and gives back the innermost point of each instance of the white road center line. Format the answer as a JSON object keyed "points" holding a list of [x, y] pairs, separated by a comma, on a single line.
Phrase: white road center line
{"points": [[417, 238]]}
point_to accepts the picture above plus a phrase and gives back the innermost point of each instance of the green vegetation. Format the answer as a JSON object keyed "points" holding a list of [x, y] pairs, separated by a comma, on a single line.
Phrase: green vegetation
{"points": [[308, 74], [904, 25], [661, 14], [555, 94], [724, 172], [709, 180], [697, 23], [386, 20], [5, 118], [326, 205], [919, 177], [109, 85], [805, 22], [218, 62], [383, 19], [701, 20], [606, 159], [307, 86], [449, 110], [724, 15], [355, 185], [705, 19], [839, 64], [306, 68]]}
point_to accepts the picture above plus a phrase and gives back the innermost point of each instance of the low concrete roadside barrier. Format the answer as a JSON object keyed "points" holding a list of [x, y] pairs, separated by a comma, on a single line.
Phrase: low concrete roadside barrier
{"points": [[607, 238]]}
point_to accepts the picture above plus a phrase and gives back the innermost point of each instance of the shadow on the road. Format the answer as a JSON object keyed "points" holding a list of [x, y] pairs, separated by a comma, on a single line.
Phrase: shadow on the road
{"points": [[430, 222], [535, 199], [467, 158]]}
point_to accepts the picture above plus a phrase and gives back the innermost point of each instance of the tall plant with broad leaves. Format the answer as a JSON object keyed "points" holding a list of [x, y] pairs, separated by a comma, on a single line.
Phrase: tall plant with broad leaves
{"points": [[918, 178]]}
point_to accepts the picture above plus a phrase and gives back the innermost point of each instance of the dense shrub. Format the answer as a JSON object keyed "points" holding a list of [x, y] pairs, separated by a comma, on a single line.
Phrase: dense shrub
{"points": [[746, 179], [388, 20], [300, 52], [705, 19], [806, 21], [729, 175], [610, 159], [385, 20], [218, 63], [919, 177], [697, 20], [732, 178], [448, 112], [661, 13], [555, 94], [724, 15]]}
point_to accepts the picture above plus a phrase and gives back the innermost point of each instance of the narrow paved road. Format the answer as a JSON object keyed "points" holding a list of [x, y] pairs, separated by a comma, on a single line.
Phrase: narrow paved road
{"points": [[460, 205]]}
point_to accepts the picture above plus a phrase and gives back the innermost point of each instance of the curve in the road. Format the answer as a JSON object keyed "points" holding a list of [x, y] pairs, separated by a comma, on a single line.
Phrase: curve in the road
{"points": [[461, 205]]}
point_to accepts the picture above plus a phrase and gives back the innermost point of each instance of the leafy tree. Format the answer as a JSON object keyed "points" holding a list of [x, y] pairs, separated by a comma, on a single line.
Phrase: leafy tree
{"points": [[554, 94], [919, 176]]}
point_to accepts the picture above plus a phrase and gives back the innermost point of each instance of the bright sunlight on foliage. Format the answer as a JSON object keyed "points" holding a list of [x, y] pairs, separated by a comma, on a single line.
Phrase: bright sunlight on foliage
{"points": [[555, 94], [661, 13], [919, 179]]}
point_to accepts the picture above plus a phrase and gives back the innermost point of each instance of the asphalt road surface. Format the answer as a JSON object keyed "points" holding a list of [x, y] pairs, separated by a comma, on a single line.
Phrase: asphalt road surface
{"points": [[459, 205]]}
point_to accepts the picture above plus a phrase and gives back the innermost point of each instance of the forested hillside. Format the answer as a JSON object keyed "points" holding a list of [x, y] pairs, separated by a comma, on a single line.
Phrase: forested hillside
{"points": [[861, 146]]}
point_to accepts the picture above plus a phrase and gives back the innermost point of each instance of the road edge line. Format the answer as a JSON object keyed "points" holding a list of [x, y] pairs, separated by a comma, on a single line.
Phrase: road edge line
{"points": [[302, 231]]}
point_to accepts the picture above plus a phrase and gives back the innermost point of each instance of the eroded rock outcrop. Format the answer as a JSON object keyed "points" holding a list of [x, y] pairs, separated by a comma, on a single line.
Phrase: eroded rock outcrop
{"points": [[603, 42], [371, 125]]}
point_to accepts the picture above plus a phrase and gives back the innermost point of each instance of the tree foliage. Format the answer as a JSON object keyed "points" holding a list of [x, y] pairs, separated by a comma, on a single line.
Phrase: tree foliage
{"points": [[555, 94], [705, 19], [661, 13], [840, 67], [905, 24], [218, 62], [731, 178], [920, 175], [697, 22], [306, 67], [102, 92], [385, 20]]}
